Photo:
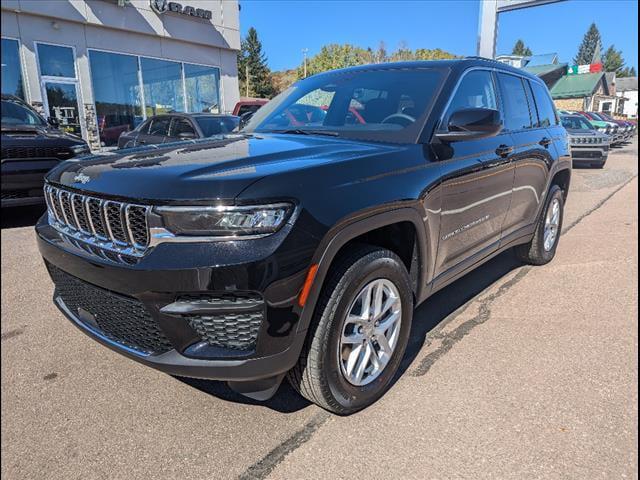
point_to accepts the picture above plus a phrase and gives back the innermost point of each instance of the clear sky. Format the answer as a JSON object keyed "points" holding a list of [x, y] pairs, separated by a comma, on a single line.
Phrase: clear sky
{"points": [[287, 26]]}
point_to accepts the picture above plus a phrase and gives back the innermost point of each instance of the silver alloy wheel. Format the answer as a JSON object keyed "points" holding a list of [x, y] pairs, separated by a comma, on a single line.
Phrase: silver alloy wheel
{"points": [[370, 332], [551, 224]]}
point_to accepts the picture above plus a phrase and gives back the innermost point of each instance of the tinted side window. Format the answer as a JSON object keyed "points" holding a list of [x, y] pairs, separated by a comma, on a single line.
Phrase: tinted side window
{"points": [[476, 90], [514, 101], [247, 108], [180, 125], [546, 112], [160, 126], [144, 128]]}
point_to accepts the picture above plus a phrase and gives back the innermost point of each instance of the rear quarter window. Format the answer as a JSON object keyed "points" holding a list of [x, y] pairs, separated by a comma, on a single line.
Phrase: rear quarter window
{"points": [[546, 111], [517, 114]]}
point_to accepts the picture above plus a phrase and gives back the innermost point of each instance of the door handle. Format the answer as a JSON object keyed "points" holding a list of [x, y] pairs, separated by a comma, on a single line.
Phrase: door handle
{"points": [[545, 142], [504, 150]]}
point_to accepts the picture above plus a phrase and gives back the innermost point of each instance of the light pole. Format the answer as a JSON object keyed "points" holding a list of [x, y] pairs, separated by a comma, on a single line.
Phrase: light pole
{"points": [[304, 56], [246, 76]]}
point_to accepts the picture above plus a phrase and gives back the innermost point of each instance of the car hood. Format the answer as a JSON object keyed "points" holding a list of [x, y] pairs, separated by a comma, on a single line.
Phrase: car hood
{"points": [[208, 169], [31, 135]]}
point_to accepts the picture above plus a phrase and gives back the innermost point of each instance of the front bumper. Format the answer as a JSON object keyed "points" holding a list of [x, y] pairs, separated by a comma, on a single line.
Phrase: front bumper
{"points": [[589, 154], [270, 268], [23, 179]]}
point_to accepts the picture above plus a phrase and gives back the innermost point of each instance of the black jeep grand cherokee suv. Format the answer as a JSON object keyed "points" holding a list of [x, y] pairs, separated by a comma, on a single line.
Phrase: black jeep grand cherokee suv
{"points": [[301, 246], [31, 146]]}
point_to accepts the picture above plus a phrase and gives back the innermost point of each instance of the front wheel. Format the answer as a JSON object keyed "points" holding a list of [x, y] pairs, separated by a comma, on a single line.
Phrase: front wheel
{"points": [[542, 247], [359, 333]]}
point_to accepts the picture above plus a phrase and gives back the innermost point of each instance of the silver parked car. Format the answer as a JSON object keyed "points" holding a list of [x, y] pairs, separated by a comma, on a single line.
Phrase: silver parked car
{"points": [[588, 145]]}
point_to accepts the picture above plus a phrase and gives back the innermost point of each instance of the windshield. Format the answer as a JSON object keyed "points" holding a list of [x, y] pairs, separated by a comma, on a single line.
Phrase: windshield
{"points": [[598, 117], [15, 114], [605, 117], [379, 105], [576, 123], [217, 125]]}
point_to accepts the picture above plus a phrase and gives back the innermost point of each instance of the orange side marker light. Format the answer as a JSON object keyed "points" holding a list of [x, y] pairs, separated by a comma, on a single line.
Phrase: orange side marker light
{"points": [[306, 288]]}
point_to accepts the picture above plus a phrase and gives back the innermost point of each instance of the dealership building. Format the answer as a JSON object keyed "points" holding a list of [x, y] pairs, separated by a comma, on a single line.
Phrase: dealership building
{"points": [[101, 67]]}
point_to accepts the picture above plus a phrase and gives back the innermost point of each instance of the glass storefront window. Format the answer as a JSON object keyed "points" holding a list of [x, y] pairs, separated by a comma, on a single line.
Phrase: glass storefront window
{"points": [[56, 61], [116, 91], [11, 73], [202, 88], [128, 89], [162, 81]]}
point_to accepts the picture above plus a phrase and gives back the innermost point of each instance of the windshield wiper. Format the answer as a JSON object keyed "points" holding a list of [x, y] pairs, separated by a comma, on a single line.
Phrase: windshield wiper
{"points": [[304, 131]]}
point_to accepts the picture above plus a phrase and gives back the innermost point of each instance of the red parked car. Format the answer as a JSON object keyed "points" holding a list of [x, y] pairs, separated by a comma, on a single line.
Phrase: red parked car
{"points": [[248, 105]]}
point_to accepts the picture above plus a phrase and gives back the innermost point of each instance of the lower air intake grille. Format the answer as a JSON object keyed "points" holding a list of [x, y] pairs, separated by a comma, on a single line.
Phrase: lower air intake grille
{"points": [[121, 319], [236, 330]]}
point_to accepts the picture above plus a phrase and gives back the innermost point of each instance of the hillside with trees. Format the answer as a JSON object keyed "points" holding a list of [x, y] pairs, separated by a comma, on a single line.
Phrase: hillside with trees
{"points": [[264, 83]]}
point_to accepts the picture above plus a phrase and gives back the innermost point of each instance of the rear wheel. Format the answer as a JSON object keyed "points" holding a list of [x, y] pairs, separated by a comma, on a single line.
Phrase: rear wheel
{"points": [[359, 333], [542, 247]]}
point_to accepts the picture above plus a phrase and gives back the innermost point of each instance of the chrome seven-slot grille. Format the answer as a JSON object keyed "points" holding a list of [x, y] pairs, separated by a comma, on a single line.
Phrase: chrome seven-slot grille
{"points": [[116, 226]]}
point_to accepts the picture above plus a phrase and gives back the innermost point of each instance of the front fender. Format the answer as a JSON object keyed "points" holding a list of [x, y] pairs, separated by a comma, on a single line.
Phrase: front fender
{"points": [[338, 237]]}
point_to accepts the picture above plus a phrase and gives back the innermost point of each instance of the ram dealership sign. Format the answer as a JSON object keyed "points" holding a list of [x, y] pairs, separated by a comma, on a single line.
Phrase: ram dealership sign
{"points": [[163, 6]]}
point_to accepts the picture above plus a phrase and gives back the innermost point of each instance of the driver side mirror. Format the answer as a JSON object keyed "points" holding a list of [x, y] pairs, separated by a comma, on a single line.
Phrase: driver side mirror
{"points": [[471, 124], [53, 121]]}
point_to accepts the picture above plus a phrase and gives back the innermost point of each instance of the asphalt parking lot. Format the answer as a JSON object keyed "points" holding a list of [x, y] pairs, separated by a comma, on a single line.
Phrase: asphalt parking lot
{"points": [[513, 372]]}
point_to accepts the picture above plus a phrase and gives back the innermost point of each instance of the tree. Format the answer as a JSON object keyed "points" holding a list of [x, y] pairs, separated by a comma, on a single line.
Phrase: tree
{"points": [[335, 56], [402, 54], [435, 54], [381, 53], [284, 79], [521, 49], [253, 61], [612, 60], [627, 72], [590, 43]]}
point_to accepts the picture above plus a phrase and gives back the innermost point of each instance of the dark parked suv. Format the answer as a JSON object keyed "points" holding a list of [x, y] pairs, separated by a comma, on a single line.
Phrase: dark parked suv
{"points": [[31, 146], [178, 126], [301, 250]]}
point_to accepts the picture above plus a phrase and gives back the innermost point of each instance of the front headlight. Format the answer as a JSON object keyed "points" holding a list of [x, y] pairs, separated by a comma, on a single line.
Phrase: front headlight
{"points": [[241, 221], [80, 149]]}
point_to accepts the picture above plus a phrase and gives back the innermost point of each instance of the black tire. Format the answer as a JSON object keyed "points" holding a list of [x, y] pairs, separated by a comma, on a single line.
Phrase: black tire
{"points": [[318, 376], [534, 252]]}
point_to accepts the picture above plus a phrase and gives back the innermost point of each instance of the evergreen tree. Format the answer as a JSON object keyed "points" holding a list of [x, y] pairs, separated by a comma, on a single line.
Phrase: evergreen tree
{"points": [[627, 72], [521, 49], [253, 61], [612, 60], [590, 43]]}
